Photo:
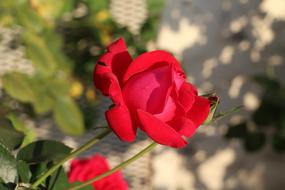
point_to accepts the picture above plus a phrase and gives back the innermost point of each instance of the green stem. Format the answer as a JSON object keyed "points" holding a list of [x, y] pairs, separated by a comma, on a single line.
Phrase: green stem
{"points": [[118, 167], [74, 153], [228, 112]]}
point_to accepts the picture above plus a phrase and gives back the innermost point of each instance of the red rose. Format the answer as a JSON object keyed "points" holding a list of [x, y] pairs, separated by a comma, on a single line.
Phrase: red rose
{"points": [[150, 93], [85, 169]]}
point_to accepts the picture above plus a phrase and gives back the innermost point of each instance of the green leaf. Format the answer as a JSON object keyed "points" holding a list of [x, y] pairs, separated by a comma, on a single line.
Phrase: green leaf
{"points": [[47, 10], [98, 5], [24, 171], [8, 166], [38, 170], [6, 5], [54, 44], [30, 134], [10, 137], [30, 89], [155, 7], [27, 17], [58, 180], [18, 85], [68, 116], [59, 86], [39, 53], [42, 103], [45, 52], [42, 151], [3, 186]]}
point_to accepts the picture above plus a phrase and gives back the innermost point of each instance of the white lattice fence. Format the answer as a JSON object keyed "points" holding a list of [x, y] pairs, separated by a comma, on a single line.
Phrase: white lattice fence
{"points": [[129, 13]]}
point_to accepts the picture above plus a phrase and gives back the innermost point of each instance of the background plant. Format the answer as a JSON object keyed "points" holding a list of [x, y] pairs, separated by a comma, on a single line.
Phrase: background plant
{"points": [[63, 46]]}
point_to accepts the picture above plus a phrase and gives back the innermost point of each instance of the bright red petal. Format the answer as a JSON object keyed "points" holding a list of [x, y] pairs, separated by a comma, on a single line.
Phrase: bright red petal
{"points": [[179, 79], [148, 59], [159, 131], [183, 126], [168, 113], [115, 61], [149, 90], [187, 94], [120, 121], [199, 111], [103, 78], [88, 168], [117, 46]]}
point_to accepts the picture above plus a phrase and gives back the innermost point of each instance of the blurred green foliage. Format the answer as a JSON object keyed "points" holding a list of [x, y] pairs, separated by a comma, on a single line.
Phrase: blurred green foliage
{"points": [[8, 171], [63, 39], [21, 164], [63, 42], [267, 123], [10, 137]]}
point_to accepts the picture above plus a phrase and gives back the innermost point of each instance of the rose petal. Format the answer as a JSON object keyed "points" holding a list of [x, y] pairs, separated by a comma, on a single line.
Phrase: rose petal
{"points": [[187, 94], [120, 64], [148, 59], [103, 78], [85, 169], [199, 111], [117, 46], [179, 79], [107, 75], [119, 119], [168, 112], [115, 61], [159, 131], [183, 126], [149, 90]]}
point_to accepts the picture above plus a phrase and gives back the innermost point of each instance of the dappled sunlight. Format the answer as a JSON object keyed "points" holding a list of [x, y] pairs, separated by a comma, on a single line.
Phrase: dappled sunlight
{"points": [[274, 8], [238, 24], [244, 45], [175, 175], [251, 101], [222, 159], [241, 39], [275, 60], [186, 36], [226, 55], [208, 67], [262, 31], [236, 85]]}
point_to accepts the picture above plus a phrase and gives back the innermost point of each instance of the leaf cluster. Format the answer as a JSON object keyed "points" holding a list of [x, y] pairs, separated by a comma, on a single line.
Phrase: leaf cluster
{"points": [[22, 165]]}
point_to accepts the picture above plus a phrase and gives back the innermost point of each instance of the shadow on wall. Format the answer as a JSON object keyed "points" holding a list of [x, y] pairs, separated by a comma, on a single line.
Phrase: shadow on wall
{"points": [[222, 45]]}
